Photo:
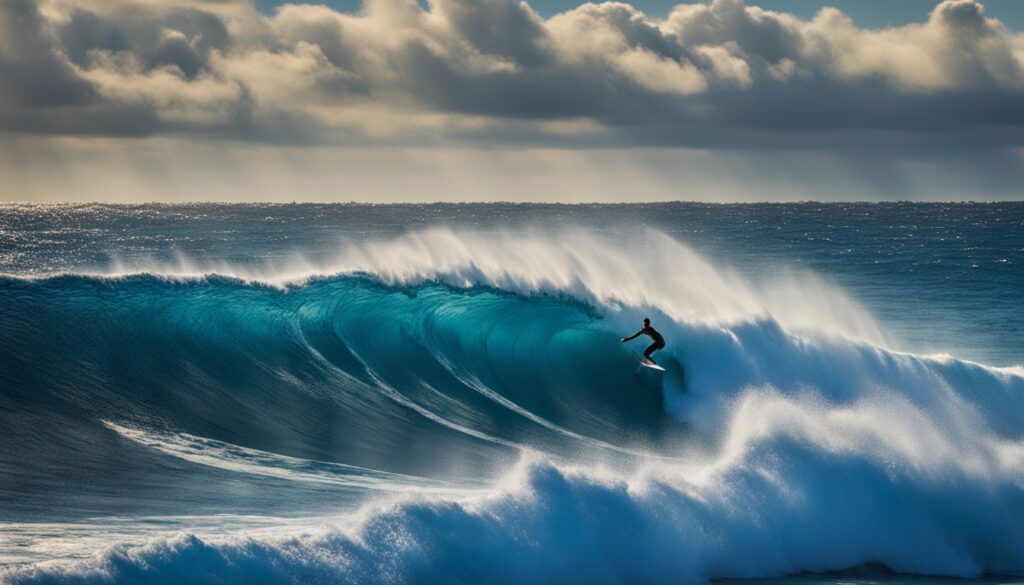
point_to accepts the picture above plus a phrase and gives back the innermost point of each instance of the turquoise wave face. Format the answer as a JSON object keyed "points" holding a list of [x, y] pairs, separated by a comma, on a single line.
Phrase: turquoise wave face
{"points": [[431, 381], [424, 380]]}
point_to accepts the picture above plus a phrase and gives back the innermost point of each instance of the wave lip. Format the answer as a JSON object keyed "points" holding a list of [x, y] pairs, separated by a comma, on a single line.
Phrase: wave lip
{"points": [[576, 263]]}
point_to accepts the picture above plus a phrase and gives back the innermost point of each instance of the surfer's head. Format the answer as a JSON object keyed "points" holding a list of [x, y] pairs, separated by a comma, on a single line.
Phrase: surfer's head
{"points": [[647, 322]]}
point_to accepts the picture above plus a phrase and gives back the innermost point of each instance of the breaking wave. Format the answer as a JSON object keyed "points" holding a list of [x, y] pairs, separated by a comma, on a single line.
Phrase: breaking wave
{"points": [[480, 378]]}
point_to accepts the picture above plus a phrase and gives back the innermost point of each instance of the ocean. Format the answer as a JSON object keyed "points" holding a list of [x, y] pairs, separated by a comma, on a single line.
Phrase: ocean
{"points": [[300, 393]]}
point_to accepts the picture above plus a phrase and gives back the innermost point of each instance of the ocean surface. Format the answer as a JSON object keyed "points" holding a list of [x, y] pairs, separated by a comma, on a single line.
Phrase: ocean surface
{"points": [[436, 393]]}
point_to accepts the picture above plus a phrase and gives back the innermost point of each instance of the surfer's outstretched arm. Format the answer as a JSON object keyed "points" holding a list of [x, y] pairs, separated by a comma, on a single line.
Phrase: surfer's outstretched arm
{"points": [[634, 336]]}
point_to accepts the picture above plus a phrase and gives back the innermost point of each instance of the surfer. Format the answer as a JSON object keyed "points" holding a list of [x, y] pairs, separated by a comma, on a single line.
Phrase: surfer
{"points": [[659, 341]]}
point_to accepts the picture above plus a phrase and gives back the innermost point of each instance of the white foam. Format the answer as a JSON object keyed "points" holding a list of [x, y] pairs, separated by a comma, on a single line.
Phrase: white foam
{"points": [[239, 459], [649, 270], [800, 486]]}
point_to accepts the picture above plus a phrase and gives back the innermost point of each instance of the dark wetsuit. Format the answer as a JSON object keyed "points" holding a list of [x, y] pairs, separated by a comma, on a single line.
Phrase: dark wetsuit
{"points": [[659, 341]]}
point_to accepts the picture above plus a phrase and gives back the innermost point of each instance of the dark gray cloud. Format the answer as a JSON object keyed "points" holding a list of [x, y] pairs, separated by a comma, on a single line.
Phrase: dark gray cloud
{"points": [[32, 71], [722, 75]]}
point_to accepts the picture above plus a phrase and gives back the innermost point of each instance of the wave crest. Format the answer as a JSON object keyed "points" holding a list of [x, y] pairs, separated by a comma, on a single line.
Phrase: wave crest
{"points": [[647, 270]]}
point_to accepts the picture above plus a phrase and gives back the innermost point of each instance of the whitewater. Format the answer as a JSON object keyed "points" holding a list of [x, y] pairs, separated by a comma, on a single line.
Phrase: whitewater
{"points": [[446, 401]]}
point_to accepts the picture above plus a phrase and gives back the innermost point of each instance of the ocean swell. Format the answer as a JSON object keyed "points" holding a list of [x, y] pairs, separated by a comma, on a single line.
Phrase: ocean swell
{"points": [[787, 435]]}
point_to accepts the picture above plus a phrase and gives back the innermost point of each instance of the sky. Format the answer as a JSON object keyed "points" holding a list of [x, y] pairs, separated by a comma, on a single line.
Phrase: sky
{"points": [[482, 100], [866, 13]]}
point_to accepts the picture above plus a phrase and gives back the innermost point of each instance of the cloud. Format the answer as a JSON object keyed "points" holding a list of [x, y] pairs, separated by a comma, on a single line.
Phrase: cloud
{"points": [[956, 49], [494, 72], [33, 73]]}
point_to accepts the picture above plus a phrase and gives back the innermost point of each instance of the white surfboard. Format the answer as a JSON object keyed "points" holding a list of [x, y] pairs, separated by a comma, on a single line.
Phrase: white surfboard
{"points": [[647, 364], [655, 367]]}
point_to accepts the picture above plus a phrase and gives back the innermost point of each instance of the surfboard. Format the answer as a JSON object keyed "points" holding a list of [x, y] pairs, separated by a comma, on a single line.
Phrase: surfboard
{"points": [[647, 364], [671, 371], [654, 367]]}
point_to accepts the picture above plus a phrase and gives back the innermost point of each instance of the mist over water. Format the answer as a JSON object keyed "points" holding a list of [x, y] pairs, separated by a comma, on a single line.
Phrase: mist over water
{"points": [[428, 394]]}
